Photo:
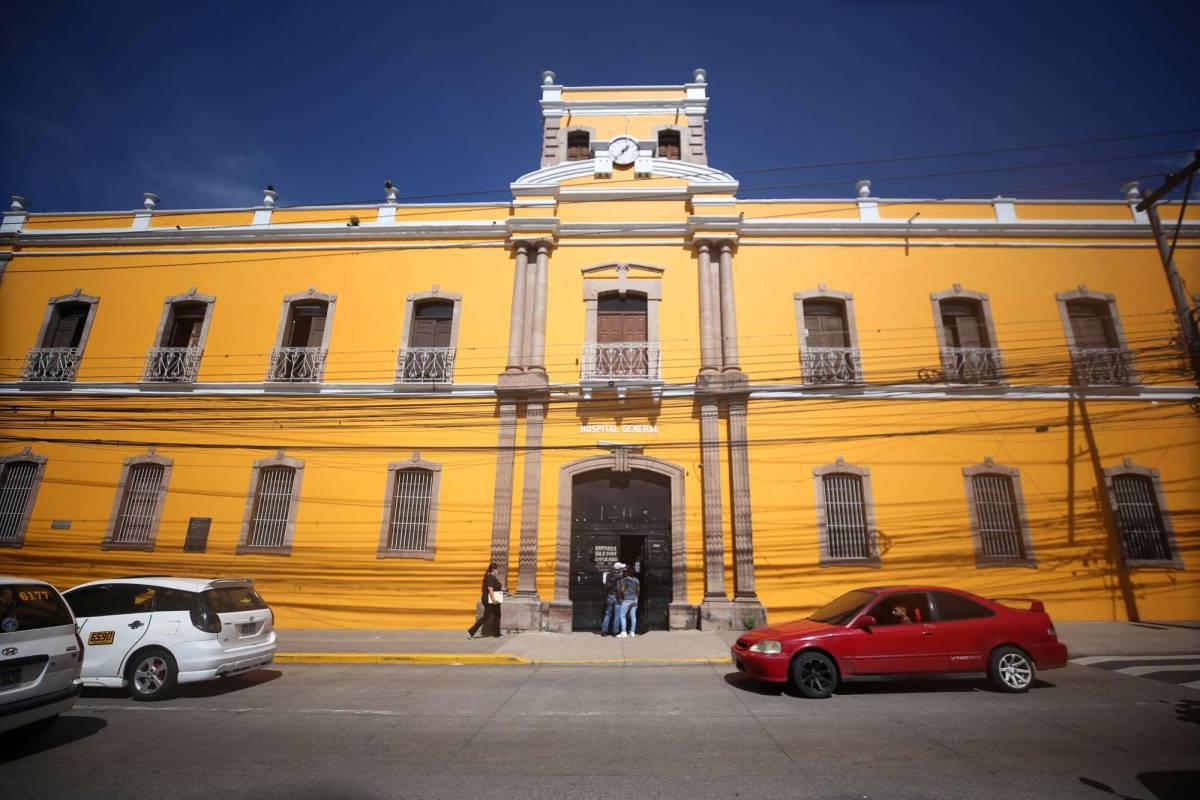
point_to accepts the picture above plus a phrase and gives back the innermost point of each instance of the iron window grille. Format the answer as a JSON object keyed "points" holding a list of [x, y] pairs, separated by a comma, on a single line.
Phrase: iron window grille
{"points": [[999, 518], [296, 364], [172, 364], [831, 365], [52, 364], [272, 508], [412, 494], [1102, 366], [848, 534], [1140, 520], [17, 479], [972, 364], [139, 507]]}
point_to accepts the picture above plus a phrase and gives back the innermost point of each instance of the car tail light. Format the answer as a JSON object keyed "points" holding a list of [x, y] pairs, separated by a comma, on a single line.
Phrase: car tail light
{"points": [[204, 619]]}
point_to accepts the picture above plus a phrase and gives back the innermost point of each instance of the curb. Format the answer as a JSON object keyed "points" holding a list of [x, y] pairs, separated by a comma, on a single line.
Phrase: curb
{"points": [[504, 659]]}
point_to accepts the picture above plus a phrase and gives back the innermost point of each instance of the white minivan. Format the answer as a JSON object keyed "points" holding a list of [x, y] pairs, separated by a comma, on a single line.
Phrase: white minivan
{"points": [[40, 655], [148, 633]]}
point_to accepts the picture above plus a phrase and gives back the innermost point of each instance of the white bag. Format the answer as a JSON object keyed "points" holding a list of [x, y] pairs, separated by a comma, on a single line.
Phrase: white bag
{"points": [[497, 596]]}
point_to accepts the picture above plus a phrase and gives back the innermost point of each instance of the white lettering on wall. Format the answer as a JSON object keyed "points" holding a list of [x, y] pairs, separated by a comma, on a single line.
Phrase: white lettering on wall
{"points": [[627, 428]]}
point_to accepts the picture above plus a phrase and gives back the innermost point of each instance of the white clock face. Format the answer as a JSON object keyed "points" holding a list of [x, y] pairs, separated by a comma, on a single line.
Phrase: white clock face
{"points": [[623, 150]]}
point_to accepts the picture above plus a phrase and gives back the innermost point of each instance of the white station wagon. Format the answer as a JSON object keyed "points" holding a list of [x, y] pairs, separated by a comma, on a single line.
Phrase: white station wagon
{"points": [[147, 632]]}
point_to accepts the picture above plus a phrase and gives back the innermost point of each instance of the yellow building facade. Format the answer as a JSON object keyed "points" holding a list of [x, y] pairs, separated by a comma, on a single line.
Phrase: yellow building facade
{"points": [[759, 404]]}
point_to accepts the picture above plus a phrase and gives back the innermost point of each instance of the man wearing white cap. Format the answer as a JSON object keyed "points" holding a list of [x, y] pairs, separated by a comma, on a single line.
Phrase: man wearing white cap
{"points": [[611, 581]]}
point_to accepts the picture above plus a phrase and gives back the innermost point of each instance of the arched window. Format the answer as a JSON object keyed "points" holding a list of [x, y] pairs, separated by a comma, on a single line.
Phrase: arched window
{"points": [[968, 348], [303, 339], [20, 477], [410, 510], [270, 522], [1145, 528], [996, 506], [138, 505], [668, 145], [429, 338], [62, 338], [1099, 355], [175, 356], [828, 342], [845, 514]]}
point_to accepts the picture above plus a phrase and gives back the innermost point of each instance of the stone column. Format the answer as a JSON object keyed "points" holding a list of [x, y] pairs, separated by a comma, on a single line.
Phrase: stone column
{"points": [[716, 610], [729, 343], [710, 462], [709, 352], [524, 610], [538, 350], [527, 317], [516, 325], [502, 496], [747, 607]]}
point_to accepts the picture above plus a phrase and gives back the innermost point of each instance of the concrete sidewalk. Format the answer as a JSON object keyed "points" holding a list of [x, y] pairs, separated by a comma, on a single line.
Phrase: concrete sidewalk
{"points": [[657, 647]]}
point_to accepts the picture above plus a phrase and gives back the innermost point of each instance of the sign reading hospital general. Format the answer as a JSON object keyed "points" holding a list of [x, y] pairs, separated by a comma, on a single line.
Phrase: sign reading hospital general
{"points": [[624, 428]]}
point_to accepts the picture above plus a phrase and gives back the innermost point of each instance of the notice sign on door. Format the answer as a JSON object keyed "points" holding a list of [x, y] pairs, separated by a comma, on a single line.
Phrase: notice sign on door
{"points": [[603, 555], [197, 535], [626, 428]]}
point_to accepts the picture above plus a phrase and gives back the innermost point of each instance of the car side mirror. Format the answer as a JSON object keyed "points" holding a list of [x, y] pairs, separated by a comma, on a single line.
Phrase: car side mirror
{"points": [[866, 622]]}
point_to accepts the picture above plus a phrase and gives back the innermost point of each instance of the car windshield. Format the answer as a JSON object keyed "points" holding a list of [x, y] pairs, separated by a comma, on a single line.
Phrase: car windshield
{"points": [[842, 610]]}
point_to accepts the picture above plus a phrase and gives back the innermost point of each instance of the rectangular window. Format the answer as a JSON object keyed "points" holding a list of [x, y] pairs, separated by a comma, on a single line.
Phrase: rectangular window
{"points": [[272, 506], [16, 483], [999, 522], [578, 146], [668, 145], [136, 520], [1140, 519], [845, 517], [409, 523]]}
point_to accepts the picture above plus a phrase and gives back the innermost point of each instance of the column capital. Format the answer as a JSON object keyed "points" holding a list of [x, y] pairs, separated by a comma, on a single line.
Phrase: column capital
{"points": [[715, 243]]}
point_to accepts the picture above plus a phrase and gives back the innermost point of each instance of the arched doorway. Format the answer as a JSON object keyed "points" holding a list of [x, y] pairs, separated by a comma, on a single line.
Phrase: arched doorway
{"points": [[620, 516]]}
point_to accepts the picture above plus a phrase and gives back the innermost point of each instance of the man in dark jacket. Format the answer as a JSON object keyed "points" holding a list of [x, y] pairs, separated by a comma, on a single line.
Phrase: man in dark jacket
{"points": [[612, 580]]}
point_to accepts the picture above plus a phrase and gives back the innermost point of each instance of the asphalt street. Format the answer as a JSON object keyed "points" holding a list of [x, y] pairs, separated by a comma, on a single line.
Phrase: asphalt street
{"points": [[354, 731]]}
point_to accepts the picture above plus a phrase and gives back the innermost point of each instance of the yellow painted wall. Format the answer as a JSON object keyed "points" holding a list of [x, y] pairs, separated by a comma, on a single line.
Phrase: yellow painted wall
{"points": [[1111, 212]]}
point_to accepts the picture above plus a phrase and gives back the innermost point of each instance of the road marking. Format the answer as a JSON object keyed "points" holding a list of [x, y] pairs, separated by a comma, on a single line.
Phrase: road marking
{"points": [[1087, 661], [1160, 668]]}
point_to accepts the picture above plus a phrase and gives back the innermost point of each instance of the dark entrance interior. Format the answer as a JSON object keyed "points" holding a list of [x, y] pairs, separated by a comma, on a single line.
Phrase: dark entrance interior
{"points": [[621, 516]]}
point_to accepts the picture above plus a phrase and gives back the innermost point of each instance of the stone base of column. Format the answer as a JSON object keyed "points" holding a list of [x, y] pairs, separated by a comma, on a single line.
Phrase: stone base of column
{"points": [[716, 614], [682, 616], [560, 616], [748, 613], [522, 612]]}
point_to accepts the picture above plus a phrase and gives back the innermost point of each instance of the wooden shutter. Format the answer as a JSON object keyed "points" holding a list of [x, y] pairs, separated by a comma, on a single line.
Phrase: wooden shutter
{"points": [[1091, 326], [66, 326], [578, 146], [432, 324], [825, 323], [668, 145]]}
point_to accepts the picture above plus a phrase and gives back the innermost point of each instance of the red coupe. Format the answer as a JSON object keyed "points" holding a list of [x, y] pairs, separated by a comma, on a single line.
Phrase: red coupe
{"points": [[905, 632]]}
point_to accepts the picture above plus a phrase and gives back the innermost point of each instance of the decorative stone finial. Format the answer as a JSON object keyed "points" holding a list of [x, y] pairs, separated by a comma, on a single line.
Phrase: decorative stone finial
{"points": [[389, 190], [548, 78], [863, 188], [1132, 191], [18, 203], [699, 75], [269, 196], [150, 200]]}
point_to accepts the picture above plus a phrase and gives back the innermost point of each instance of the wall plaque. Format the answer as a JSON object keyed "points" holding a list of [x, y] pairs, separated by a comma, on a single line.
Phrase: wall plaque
{"points": [[197, 535]]}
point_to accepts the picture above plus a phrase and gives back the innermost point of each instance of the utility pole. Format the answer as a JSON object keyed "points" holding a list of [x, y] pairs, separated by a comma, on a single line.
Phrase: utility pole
{"points": [[1166, 251]]}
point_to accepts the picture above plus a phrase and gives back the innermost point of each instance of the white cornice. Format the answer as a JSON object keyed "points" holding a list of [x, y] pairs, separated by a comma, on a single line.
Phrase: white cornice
{"points": [[699, 177]]}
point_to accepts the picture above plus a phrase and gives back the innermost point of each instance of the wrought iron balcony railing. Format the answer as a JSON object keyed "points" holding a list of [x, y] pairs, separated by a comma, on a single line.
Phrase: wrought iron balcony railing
{"points": [[971, 365], [56, 364], [425, 365], [831, 365], [172, 364], [296, 364], [1102, 366], [621, 361]]}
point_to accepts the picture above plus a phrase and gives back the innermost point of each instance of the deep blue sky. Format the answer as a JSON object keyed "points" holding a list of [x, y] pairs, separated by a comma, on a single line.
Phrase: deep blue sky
{"points": [[206, 103]]}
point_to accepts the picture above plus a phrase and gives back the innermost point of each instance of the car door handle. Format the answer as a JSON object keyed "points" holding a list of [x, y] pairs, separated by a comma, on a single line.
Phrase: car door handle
{"points": [[927, 633], [137, 623]]}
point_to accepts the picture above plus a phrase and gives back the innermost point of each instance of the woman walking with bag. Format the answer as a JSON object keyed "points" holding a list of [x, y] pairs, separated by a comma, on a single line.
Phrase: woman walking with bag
{"points": [[491, 595]]}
